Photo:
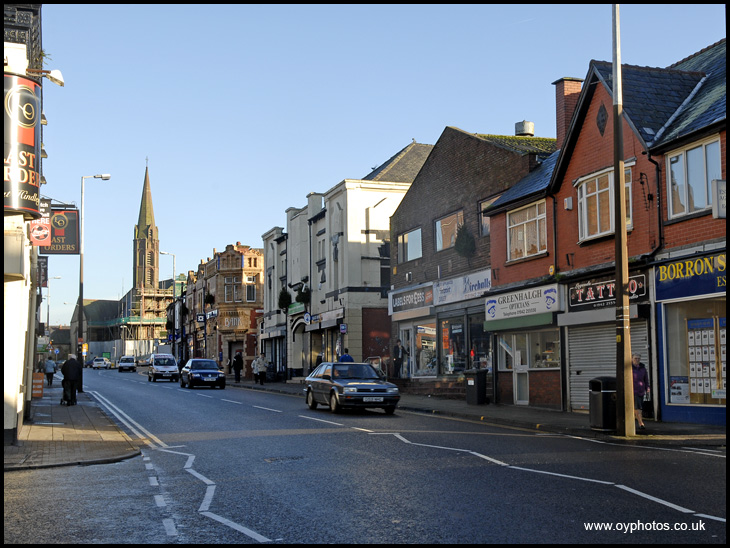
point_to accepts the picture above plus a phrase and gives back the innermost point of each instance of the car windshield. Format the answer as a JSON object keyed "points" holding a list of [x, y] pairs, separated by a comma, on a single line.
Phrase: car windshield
{"points": [[204, 364], [125, 360], [354, 371], [164, 361]]}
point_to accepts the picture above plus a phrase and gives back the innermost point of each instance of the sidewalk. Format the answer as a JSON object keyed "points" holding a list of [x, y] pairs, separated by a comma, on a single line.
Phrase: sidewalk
{"points": [[57, 435]]}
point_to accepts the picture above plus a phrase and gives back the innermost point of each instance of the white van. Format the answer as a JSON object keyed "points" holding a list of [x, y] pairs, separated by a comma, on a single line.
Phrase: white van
{"points": [[163, 366]]}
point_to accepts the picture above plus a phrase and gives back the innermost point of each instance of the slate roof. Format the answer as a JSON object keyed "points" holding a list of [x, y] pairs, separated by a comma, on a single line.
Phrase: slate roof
{"points": [[709, 104], [403, 166], [664, 104], [530, 187]]}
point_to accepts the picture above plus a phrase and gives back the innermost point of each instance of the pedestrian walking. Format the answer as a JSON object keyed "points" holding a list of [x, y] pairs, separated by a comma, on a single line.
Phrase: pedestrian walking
{"points": [[346, 356], [71, 370], [50, 371], [641, 387], [238, 366], [259, 368], [399, 353]]}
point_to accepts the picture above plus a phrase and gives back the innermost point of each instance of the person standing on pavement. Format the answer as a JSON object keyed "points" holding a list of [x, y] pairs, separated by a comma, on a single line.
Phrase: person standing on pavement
{"points": [[399, 353], [71, 370], [346, 356], [641, 387], [50, 371], [238, 366], [259, 368]]}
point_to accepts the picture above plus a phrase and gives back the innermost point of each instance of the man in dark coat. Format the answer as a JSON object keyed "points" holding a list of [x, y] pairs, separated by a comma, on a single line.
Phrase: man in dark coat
{"points": [[399, 354], [71, 371], [238, 366]]}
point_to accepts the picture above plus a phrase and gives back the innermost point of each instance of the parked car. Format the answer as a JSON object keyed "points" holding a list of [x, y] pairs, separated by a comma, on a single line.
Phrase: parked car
{"points": [[101, 363], [163, 366], [201, 372], [127, 362], [356, 385]]}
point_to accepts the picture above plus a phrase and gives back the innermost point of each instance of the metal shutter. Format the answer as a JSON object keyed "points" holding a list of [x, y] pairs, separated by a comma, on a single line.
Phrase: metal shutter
{"points": [[592, 353]]}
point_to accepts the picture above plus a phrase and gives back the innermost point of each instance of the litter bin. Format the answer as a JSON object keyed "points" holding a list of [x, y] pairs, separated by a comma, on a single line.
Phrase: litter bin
{"points": [[602, 402], [476, 386]]}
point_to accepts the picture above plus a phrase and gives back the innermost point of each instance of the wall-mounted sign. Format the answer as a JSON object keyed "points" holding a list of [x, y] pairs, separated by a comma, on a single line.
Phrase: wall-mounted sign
{"points": [[22, 131], [64, 233], [601, 293], [527, 302], [40, 229], [410, 299]]}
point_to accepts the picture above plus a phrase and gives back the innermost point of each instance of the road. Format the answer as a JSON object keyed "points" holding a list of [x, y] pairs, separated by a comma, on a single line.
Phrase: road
{"points": [[242, 466]]}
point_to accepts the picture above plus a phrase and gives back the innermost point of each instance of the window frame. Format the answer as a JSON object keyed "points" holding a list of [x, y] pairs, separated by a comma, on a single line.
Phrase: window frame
{"points": [[540, 219], [581, 184], [485, 228], [458, 217], [404, 246], [686, 184]]}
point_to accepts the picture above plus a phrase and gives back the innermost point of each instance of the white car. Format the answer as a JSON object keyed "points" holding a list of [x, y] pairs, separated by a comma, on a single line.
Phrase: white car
{"points": [[127, 362], [101, 363]]}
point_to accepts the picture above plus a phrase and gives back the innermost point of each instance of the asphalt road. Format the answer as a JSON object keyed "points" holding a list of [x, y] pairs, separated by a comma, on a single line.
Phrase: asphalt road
{"points": [[242, 466]]}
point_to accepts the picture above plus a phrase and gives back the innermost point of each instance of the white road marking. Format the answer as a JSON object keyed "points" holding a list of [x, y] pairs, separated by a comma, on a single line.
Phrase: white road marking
{"points": [[231, 401], [660, 501], [267, 409], [248, 532], [321, 420], [160, 501], [169, 527]]}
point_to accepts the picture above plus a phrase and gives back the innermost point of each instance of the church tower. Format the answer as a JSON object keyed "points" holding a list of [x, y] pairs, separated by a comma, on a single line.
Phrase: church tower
{"points": [[146, 242]]}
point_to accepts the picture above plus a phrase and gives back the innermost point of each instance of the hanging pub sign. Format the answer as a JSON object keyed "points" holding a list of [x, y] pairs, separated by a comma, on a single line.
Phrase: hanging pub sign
{"points": [[64, 233], [22, 130], [40, 229]]}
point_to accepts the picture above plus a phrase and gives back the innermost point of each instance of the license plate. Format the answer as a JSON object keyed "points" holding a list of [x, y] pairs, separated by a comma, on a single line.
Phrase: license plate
{"points": [[372, 400], [209, 379], [166, 374]]}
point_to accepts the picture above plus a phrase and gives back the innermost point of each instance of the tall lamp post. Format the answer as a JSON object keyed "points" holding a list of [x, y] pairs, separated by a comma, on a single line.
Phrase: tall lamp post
{"points": [[174, 304], [48, 304], [105, 177]]}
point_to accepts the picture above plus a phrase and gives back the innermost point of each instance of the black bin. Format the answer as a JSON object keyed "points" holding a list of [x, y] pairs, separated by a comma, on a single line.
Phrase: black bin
{"points": [[602, 403], [476, 386]]}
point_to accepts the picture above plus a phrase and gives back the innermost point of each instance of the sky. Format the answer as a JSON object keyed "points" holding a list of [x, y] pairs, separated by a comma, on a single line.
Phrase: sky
{"points": [[240, 111]]}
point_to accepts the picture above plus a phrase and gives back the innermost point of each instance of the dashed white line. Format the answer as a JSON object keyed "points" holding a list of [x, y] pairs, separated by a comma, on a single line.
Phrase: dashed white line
{"points": [[321, 420], [169, 527], [248, 532], [267, 409]]}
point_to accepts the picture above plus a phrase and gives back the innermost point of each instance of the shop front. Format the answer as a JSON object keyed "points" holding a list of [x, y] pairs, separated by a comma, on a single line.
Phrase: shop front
{"points": [[590, 332], [441, 325], [527, 345], [691, 326]]}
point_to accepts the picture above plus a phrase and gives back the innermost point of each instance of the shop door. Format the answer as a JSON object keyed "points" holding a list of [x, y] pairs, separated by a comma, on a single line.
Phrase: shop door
{"points": [[406, 337], [522, 384], [521, 376]]}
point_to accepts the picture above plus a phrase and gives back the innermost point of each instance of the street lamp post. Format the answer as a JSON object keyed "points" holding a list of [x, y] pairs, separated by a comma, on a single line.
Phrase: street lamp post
{"points": [[174, 304], [105, 177], [48, 304]]}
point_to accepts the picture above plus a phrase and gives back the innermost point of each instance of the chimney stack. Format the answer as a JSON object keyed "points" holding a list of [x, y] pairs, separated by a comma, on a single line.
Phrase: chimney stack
{"points": [[567, 92], [524, 129]]}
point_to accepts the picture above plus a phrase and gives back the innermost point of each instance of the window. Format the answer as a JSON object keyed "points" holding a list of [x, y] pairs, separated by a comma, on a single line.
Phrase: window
{"points": [[527, 231], [250, 289], [690, 173], [409, 246], [596, 204], [231, 289], [446, 229], [484, 228]]}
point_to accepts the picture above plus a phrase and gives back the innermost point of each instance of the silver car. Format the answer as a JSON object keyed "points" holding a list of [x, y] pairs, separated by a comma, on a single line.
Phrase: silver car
{"points": [[350, 385]]}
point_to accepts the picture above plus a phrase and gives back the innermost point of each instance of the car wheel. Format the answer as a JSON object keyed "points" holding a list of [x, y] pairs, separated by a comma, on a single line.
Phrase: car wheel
{"points": [[148, 378], [311, 402], [182, 383], [334, 406], [389, 410], [223, 386]]}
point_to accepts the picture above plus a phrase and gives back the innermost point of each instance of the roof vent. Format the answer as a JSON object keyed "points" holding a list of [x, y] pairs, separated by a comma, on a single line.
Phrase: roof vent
{"points": [[524, 129]]}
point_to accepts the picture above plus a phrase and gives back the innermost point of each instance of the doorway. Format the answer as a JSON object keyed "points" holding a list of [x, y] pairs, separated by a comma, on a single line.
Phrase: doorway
{"points": [[406, 337]]}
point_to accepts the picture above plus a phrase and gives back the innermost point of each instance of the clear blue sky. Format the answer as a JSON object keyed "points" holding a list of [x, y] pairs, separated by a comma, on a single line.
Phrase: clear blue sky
{"points": [[244, 110]]}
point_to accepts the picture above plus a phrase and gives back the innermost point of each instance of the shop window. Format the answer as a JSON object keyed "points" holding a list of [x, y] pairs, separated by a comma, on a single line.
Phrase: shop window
{"points": [[425, 348], [453, 341], [696, 352], [480, 348], [537, 349]]}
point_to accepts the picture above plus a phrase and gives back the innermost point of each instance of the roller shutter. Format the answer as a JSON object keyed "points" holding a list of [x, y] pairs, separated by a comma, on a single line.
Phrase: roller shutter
{"points": [[592, 353]]}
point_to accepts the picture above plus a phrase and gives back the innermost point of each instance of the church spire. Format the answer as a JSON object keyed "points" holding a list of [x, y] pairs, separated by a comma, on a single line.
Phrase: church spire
{"points": [[146, 241]]}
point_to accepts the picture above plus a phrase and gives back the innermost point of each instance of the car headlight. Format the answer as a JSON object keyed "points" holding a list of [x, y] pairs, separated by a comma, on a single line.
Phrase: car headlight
{"points": [[195, 375], [350, 389], [393, 390]]}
